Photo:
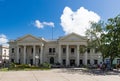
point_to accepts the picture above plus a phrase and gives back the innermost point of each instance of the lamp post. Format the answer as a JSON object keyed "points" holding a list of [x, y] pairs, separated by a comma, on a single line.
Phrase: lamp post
{"points": [[36, 59], [99, 58]]}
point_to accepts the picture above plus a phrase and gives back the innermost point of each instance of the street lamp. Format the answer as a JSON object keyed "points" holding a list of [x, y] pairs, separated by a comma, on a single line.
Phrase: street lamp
{"points": [[36, 59]]}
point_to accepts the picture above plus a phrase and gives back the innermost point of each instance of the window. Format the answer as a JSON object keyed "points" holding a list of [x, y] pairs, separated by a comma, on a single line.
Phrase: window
{"points": [[50, 50], [53, 50], [88, 50], [64, 50], [19, 50], [32, 50], [118, 61], [95, 61], [81, 62], [13, 50], [12, 60], [96, 50], [39, 50], [72, 50], [64, 62], [88, 61], [4, 51]]}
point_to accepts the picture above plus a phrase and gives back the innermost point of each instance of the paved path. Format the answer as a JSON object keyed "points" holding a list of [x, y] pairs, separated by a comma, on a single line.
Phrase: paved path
{"points": [[54, 75]]}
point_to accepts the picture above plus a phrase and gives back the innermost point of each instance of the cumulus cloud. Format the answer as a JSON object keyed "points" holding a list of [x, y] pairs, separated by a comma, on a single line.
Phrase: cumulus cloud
{"points": [[3, 39], [39, 24], [77, 21]]}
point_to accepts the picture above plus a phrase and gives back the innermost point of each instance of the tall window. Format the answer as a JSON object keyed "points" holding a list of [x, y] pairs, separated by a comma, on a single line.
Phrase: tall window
{"points": [[81, 61], [32, 50], [53, 50], [39, 50], [95, 61], [19, 50], [50, 50], [13, 50], [88, 61], [64, 50], [118, 61], [88, 50], [96, 50], [72, 50], [4, 51]]}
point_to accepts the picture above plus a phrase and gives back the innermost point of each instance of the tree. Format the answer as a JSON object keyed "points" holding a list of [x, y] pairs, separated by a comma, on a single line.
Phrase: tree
{"points": [[113, 37], [106, 38], [96, 34]]}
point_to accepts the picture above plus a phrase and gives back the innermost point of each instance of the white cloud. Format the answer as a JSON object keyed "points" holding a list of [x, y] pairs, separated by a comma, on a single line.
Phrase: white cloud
{"points": [[3, 39], [39, 24], [77, 21]]}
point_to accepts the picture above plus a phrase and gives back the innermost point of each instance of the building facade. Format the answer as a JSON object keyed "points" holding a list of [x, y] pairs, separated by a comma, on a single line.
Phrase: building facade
{"points": [[67, 50], [4, 54]]}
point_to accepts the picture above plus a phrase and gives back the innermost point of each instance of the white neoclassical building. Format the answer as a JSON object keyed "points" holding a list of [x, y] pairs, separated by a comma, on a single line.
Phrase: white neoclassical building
{"points": [[4, 54], [65, 50]]}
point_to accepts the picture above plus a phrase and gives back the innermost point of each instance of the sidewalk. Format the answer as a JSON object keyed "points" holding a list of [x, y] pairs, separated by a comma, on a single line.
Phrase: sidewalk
{"points": [[54, 75]]}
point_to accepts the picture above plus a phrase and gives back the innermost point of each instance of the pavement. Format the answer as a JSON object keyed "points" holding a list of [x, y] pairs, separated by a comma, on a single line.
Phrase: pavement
{"points": [[57, 75]]}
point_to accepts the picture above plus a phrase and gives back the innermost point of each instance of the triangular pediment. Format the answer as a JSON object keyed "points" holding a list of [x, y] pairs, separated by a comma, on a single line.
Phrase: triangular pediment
{"points": [[73, 37], [29, 38]]}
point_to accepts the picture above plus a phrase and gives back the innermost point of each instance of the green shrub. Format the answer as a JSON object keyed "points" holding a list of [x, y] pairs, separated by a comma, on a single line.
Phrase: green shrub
{"points": [[4, 69], [46, 65], [22, 66], [12, 65]]}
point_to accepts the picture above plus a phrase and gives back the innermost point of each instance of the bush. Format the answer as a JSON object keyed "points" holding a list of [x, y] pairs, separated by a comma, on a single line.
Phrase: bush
{"points": [[17, 67], [22, 66], [46, 65], [12, 65]]}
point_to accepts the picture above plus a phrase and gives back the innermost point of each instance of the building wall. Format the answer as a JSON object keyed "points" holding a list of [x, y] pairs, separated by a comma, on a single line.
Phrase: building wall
{"points": [[4, 54], [70, 41]]}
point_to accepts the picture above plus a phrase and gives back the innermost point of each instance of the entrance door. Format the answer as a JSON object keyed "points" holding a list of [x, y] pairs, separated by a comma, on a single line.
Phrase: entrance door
{"points": [[64, 62], [31, 61], [51, 60], [72, 62]]}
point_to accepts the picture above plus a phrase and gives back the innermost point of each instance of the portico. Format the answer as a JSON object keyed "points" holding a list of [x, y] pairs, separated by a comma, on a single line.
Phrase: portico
{"points": [[29, 54], [71, 54]]}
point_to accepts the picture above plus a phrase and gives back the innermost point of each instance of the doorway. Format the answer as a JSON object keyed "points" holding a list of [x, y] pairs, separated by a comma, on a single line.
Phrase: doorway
{"points": [[51, 60], [72, 62], [31, 61]]}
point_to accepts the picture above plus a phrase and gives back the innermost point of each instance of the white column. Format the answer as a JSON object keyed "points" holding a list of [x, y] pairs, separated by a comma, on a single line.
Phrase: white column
{"points": [[78, 55], [59, 55], [24, 60], [41, 55], [67, 55], [85, 58], [17, 58], [34, 54]]}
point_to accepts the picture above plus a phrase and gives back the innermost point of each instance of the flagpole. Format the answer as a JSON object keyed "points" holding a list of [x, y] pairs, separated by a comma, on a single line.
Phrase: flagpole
{"points": [[52, 33]]}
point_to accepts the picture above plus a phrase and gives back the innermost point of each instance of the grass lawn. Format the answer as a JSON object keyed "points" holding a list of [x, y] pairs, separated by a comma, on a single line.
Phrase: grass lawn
{"points": [[23, 69]]}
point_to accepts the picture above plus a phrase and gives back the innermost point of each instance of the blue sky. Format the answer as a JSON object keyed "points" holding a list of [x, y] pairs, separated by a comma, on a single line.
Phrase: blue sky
{"points": [[18, 17]]}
